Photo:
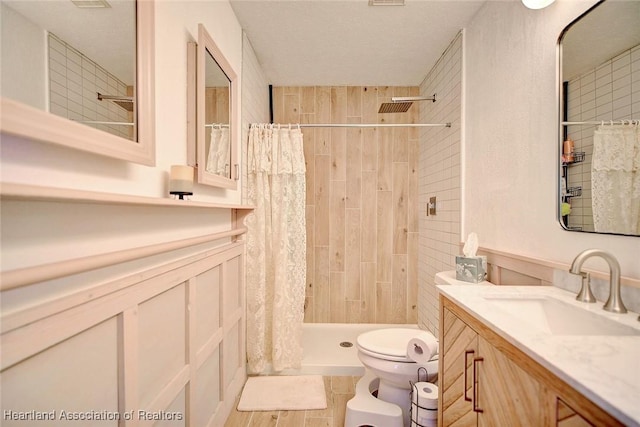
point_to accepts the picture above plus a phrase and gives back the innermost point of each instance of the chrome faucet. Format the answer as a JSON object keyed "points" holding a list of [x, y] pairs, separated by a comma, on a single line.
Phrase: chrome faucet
{"points": [[614, 303]]}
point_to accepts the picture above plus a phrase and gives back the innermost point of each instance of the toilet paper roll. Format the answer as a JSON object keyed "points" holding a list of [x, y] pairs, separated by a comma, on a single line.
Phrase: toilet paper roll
{"points": [[422, 347], [425, 399], [424, 404], [428, 423]]}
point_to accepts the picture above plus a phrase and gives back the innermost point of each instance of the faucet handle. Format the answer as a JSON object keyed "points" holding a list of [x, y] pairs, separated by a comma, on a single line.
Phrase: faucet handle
{"points": [[585, 294]]}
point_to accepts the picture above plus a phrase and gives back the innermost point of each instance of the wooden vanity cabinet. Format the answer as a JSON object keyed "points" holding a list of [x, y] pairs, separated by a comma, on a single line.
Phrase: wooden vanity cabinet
{"points": [[486, 381]]}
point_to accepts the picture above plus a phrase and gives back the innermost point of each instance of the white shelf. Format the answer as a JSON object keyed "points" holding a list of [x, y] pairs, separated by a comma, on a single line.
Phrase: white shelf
{"points": [[11, 191]]}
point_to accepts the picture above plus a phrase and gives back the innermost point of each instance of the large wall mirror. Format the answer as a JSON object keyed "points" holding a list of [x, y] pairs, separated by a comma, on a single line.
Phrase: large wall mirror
{"points": [[213, 144], [599, 175], [80, 74]]}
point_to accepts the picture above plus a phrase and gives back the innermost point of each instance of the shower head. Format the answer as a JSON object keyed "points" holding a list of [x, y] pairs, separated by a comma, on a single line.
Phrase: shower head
{"points": [[400, 104]]}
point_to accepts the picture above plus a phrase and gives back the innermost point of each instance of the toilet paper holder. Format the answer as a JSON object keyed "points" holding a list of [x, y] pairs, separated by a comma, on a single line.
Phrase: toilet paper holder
{"points": [[422, 413]]}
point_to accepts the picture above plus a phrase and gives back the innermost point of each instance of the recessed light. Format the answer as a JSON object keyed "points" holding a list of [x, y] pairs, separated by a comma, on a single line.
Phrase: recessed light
{"points": [[537, 4], [91, 4], [386, 2]]}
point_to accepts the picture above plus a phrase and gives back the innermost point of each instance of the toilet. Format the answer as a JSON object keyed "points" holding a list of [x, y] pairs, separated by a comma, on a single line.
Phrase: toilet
{"points": [[383, 352]]}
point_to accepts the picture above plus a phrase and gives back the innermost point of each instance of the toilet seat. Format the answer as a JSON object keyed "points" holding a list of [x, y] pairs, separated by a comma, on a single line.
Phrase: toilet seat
{"points": [[387, 344]]}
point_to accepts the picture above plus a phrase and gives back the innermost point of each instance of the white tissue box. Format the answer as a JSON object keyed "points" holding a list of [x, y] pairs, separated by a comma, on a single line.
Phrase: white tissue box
{"points": [[471, 269]]}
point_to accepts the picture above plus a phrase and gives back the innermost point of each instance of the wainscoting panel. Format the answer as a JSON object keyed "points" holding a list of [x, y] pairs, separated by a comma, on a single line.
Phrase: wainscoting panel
{"points": [[167, 349]]}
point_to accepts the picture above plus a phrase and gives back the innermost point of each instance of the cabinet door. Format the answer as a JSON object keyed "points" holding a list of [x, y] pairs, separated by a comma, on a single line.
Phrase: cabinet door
{"points": [[459, 346], [567, 417], [505, 393]]}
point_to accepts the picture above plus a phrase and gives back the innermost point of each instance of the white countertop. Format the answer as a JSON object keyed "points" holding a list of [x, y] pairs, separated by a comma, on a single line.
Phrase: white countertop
{"points": [[606, 369]]}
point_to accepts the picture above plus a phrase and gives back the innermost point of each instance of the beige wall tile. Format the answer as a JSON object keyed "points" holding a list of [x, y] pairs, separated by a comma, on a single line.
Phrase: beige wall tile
{"points": [[399, 289], [322, 288], [385, 159], [337, 225], [383, 302], [339, 154], [353, 166], [307, 100], [338, 301], [352, 254], [321, 199], [400, 197], [384, 226]]}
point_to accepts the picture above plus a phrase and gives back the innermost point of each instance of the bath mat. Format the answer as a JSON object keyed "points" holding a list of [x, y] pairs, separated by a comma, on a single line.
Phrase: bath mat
{"points": [[283, 393]]}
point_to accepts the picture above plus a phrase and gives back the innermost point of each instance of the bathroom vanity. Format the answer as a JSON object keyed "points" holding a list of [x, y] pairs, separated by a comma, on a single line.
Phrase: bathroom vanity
{"points": [[533, 356]]}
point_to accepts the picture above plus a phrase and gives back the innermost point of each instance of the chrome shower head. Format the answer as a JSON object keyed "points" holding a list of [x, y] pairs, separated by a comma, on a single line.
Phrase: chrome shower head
{"points": [[394, 107], [401, 104]]}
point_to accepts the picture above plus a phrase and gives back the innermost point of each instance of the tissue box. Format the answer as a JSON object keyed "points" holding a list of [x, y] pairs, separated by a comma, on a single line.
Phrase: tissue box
{"points": [[471, 269]]}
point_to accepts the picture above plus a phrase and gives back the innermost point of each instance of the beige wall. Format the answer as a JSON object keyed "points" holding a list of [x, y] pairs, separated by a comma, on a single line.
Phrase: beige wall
{"points": [[362, 194]]}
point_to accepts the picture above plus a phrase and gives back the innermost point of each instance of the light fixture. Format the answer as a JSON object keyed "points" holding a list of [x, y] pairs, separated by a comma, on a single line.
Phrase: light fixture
{"points": [[181, 181], [537, 4], [91, 4], [386, 2]]}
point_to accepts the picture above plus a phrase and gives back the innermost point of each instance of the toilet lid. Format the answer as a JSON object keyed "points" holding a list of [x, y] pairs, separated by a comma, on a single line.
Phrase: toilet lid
{"points": [[389, 343]]}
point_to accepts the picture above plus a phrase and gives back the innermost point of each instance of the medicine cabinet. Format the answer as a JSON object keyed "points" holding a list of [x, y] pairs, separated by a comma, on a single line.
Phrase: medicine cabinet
{"points": [[598, 57], [212, 114], [80, 78]]}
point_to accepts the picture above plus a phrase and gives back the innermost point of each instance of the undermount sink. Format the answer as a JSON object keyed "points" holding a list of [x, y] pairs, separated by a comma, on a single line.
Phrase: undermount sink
{"points": [[555, 317]]}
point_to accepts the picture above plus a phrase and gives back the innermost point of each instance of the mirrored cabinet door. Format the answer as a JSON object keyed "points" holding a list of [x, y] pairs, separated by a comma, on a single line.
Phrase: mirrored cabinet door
{"points": [[212, 97], [599, 123], [88, 83]]}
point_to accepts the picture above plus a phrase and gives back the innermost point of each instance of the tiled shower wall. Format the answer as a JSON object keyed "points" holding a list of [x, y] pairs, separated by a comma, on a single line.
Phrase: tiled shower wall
{"points": [[75, 80], [362, 194], [440, 169], [609, 92]]}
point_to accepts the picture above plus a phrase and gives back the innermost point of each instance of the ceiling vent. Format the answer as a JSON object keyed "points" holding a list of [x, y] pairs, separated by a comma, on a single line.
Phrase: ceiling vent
{"points": [[91, 4], [386, 2]]}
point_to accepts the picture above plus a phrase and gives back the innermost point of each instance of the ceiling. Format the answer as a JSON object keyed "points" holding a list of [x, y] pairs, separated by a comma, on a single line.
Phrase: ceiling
{"points": [[348, 42]]}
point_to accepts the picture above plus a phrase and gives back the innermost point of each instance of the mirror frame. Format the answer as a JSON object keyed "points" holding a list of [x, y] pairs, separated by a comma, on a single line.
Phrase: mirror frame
{"points": [[196, 140], [562, 108], [25, 121]]}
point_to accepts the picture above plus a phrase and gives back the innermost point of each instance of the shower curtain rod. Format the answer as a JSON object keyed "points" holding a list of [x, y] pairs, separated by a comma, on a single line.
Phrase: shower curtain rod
{"points": [[216, 124], [603, 122], [364, 125]]}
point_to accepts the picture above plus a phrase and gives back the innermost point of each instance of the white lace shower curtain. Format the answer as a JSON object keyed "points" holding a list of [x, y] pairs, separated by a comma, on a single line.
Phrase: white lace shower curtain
{"points": [[615, 179], [276, 248], [218, 156]]}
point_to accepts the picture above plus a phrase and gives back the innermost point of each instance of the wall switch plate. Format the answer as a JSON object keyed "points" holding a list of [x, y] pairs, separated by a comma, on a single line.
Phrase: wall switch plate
{"points": [[432, 206]]}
